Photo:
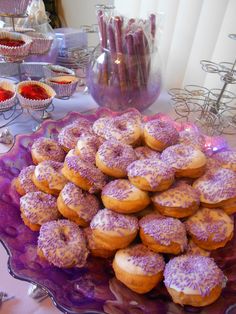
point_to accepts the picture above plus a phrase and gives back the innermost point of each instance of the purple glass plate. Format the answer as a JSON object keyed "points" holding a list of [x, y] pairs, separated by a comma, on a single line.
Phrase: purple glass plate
{"points": [[92, 289]]}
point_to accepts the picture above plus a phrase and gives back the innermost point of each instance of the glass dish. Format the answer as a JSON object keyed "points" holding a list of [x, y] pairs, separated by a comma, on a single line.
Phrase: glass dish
{"points": [[92, 289]]}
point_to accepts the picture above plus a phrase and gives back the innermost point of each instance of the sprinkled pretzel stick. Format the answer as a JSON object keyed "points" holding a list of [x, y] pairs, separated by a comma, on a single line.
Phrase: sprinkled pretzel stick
{"points": [[103, 79], [120, 54], [111, 38], [141, 54], [131, 61], [152, 19]]}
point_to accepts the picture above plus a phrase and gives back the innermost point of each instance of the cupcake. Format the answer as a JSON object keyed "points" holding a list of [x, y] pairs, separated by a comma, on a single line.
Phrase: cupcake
{"points": [[41, 43], [52, 70], [64, 86], [14, 46], [35, 95], [13, 7], [7, 95]]}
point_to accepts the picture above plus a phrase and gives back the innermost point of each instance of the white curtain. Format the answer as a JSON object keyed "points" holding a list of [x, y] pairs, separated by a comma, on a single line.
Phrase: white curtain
{"points": [[192, 30]]}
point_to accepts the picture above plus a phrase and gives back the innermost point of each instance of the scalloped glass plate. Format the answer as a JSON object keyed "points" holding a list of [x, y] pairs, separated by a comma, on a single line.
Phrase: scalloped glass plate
{"points": [[92, 289]]}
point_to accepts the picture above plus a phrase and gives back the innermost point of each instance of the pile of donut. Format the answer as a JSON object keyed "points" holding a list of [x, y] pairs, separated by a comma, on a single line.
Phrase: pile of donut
{"points": [[131, 190]]}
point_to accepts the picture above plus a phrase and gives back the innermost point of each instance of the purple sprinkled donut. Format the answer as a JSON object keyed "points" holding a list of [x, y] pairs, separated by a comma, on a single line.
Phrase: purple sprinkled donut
{"points": [[87, 146], [25, 179], [47, 149], [226, 159]]}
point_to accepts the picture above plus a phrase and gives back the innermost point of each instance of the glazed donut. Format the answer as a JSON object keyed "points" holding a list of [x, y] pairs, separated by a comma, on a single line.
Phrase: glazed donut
{"points": [[210, 229], [112, 230], [127, 131], [144, 152], [48, 178], [192, 138], [138, 268], [217, 188], [23, 183], [187, 161], [69, 135], [163, 234], [87, 147], [62, 243], [160, 134], [94, 247], [77, 205], [193, 280], [150, 175], [123, 197], [37, 208], [194, 249], [100, 125], [46, 149], [226, 159], [83, 174], [180, 201], [113, 158]]}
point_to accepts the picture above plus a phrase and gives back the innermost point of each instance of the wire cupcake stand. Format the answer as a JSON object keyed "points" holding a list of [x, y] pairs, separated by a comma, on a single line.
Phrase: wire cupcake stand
{"points": [[213, 110]]}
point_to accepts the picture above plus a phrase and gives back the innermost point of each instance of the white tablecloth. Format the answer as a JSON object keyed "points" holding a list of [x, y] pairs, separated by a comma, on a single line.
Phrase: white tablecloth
{"points": [[22, 303]]}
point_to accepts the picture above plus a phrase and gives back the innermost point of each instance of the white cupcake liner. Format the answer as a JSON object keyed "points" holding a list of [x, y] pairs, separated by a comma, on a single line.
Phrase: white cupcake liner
{"points": [[40, 43], [15, 53], [49, 71], [13, 7], [31, 103], [63, 90], [9, 103]]}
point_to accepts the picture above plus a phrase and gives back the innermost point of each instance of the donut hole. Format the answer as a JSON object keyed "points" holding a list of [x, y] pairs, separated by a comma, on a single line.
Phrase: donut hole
{"points": [[76, 132], [118, 152], [49, 148], [63, 236], [121, 126]]}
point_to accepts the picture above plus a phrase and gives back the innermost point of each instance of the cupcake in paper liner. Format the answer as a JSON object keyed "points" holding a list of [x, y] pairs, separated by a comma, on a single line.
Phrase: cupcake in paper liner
{"points": [[41, 43], [52, 70], [64, 86], [7, 95], [14, 46], [34, 95], [14, 7]]}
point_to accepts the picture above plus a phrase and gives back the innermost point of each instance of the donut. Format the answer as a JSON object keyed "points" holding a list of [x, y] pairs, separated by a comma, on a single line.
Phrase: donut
{"points": [[46, 149], [69, 135], [94, 246], [194, 249], [23, 183], [113, 158], [138, 268], [210, 229], [123, 197], [179, 201], [217, 189], [163, 234], [62, 243], [83, 174], [212, 164], [100, 125], [192, 138], [113, 230], [48, 178], [160, 134], [37, 208], [193, 280], [150, 175], [87, 147], [187, 161], [77, 205], [144, 152], [226, 159]]}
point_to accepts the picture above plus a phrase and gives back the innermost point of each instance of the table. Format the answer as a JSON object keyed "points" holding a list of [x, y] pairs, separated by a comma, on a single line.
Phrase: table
{"points": [[22, 303]]}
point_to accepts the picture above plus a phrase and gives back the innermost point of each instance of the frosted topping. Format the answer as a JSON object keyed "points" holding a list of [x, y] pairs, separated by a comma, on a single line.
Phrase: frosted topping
{"points": [[154, 171], [138, 258], [49, 149], [144, 152], [82, 202], [216, 186], [87, 146], [63, 243], [193, 274], [87, 171], [116, 155], [180, 195], [181, 156], [210, 224], [100, 125], [164, 230], [162, 131], [25, 179], [192, 138], [108, 220], [39, 207], [226, 159]]}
